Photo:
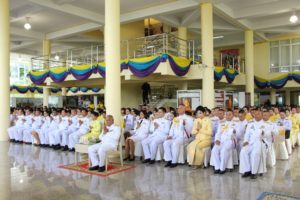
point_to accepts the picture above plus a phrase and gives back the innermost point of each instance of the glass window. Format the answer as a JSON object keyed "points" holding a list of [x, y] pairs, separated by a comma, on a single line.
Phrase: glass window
{"points": [[285, 55], [274, 52], [296, 55]]}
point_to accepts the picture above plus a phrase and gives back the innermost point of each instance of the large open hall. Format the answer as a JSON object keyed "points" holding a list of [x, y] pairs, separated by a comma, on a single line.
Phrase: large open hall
{"points": [[150, 99]]}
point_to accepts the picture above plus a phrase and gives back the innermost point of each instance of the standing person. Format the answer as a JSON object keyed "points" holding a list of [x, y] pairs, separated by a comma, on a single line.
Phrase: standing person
{"points": [[202, 129], [146, 91]]}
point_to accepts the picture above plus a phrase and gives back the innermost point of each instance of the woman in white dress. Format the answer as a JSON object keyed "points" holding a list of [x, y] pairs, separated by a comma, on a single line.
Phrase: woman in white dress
{"points": [[140, 132]]}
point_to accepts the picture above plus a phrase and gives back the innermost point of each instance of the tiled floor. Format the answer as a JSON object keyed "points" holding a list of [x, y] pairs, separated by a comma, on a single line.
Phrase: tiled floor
{"points": [[30, 173]]}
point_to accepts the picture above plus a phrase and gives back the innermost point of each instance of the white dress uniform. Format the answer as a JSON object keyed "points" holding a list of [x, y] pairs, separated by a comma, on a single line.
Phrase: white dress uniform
{"points": [[55, 136], [138, 134], [108, 142], [83, 129], [287, 124], [227, 137], [242, 125], [158, 136], [215, 122], [53, 126], [180, 132], [27, 125], [129, 123], [270, 131], [37, 122], [46, 121], [252, 156], [73, 127], [12, 131]]}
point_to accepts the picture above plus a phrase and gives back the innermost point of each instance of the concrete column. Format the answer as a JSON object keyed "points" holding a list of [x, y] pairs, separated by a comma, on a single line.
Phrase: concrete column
{"points": [[63, 91], [95, 102], [112, 59], [46, 52], [287, 97], [207, 54], [182, 35], [46, 93], [4, 69], [273, 97], [249, 60]]}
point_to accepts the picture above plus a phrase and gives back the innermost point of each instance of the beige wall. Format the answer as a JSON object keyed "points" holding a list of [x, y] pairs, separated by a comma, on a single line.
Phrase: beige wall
{"points": [[131, 95]]}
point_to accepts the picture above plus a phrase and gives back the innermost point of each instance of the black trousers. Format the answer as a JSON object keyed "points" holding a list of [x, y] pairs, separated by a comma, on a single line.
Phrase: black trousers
{"points": [[145, 98], [287, 134]]}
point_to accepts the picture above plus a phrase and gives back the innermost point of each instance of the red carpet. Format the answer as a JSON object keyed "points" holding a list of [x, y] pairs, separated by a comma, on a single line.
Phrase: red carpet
{"points": [[84, 168]]}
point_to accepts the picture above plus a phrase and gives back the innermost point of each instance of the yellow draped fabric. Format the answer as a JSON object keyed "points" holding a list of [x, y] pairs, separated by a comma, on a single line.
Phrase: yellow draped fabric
{"points": [[295, 128], [93, 135], [202, 140], [181, 61]]}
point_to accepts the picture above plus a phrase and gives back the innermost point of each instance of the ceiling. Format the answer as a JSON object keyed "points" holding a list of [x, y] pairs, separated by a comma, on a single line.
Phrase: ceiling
{"points": [[65, 22]]}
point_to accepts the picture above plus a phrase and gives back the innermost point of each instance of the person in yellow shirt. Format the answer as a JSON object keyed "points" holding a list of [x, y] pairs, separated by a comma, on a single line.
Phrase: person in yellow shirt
{"points": [[248, 113], [295, 126], [92, 106], [202, 129], [273, 115], [95, 127]]}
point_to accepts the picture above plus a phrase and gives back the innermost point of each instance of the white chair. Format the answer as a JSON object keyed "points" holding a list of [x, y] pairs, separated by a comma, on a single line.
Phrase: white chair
{"points": [[160, 152], [182, 153], [271, 156], [280, 148], [115, 153], [207, 153], [138, 149], [81, 149]]}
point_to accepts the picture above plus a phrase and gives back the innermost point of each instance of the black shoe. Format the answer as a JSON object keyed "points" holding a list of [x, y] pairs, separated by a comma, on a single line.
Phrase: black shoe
{"points": [[94, 168], [223, 172], [57, 147], [65, 148], [146, 161], [132, 159], [246, 174], [125, 159], [72, 150], [253, 176], [173, 165], [169, 163], [217, 172], [12, 140], [152, 162], [101, 169]]}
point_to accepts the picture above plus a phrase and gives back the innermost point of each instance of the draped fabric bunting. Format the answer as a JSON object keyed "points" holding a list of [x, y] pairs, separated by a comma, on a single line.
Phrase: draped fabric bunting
{"points": [[140, 67], [278, 82], [220, 71], [82, 89], [25, 89]]}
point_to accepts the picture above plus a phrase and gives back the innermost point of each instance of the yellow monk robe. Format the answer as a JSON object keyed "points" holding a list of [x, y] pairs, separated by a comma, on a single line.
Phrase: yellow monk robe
{"points": [[91, 106], [93, 135], [274, 117], [295, 128], [202, 140]]}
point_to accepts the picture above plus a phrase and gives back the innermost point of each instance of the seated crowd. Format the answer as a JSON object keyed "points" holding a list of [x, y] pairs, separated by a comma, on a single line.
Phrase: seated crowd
{"points": [[249, 134]]}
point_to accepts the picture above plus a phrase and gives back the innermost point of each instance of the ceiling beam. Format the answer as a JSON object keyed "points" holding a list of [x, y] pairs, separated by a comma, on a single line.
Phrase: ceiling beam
{"points": [[23, 45], [167, 8], [72, 10], [190, 17], [25, 33], [266, 9], [274, 22], [73, 30], [197, 25], [171, 20]]}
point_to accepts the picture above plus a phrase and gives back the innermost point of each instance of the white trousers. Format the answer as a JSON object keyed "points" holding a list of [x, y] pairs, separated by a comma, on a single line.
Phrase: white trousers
{"points": [[97, 153], [55, 137], [19, 133], [27, 136], [150, 146], [11, 132], [172, 149], [43, 135], [65, 135], [74, 137], [252, 158], [220, 155]]}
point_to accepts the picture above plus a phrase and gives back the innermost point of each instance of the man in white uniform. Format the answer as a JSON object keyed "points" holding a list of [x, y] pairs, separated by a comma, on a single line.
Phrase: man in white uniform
{"points": [[224, 143], [73, 126], [242, 125], [27, 125], [253, 150], [160, 128], [19, 122], [84, 124], [109, 140], [287, 124], [36, 124], [179, 133]]}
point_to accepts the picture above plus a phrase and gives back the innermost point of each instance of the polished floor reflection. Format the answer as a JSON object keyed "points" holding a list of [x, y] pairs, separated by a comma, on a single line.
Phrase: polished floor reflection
{"points": [[29, 173]]}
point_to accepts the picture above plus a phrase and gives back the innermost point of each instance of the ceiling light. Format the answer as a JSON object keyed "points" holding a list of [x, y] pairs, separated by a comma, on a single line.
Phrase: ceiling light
{"points": [[219, 37], [27, 25], [56, 57], [293, 18]]}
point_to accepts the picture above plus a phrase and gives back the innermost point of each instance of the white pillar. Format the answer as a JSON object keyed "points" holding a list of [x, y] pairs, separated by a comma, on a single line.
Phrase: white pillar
{"points": [[4, 69], [95, 102], [249, 60], [273, 97], [112, 59], [46, 52], [287, 97], [182, 35], [207, 54], [63, 91], [5, 174], [46, 92]]}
